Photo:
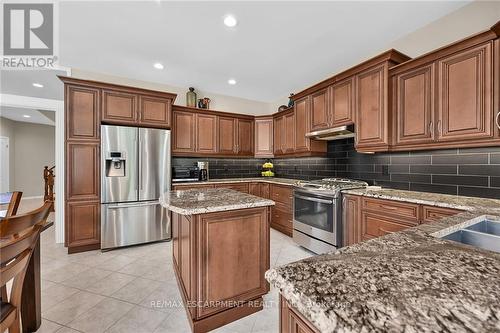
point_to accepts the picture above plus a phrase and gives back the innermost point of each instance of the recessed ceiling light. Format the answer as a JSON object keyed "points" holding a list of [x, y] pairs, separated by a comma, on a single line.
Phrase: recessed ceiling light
{"points": [[158, 65], [26, 116], [231, 82], [38, 85], [230, 21]]}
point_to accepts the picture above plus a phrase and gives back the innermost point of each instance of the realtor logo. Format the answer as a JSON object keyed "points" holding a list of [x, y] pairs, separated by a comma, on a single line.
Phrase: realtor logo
{"points": [[28, 29]]}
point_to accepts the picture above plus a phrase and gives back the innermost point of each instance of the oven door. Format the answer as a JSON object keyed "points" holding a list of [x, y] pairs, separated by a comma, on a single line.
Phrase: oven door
{"points": [[315, 215]]}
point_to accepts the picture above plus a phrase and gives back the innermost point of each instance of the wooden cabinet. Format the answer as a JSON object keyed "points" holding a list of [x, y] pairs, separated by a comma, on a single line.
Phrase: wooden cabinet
{"points": [[465, 94], [264, 137], [119, 107], [220, 260], [82, 171], [341, 101], [206, 134], [301, 126], [374, 225], [281, 213], [279, 131], [227, 135], [371, 108], [351, 207], [183, 136], [289, 133], [431, 213], [320, 111], [414, 105], [292, 321], [82, 106], [155, 111], [259, 189], [82, 227], [245, 136]]}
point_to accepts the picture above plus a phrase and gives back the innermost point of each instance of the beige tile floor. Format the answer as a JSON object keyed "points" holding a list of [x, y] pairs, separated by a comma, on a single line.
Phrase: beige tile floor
{"points": [[116, 291]]}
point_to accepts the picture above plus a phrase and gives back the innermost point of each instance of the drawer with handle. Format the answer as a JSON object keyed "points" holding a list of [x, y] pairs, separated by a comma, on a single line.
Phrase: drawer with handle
{"points": [[408, 211], [373, 225], [283, 194], [431, 214]]}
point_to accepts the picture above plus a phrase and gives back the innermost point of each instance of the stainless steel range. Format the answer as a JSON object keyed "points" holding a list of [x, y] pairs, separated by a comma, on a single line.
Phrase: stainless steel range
{"points": [[317, 213]]}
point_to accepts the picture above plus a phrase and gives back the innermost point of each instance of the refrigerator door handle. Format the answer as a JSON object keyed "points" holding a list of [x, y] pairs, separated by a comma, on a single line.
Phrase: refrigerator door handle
{"points": [[140, 204], [140, 161]]}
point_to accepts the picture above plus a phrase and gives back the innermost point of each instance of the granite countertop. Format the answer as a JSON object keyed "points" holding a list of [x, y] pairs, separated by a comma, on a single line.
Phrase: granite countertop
{"points": [[409, 281], [209, 200], [270, 180]]}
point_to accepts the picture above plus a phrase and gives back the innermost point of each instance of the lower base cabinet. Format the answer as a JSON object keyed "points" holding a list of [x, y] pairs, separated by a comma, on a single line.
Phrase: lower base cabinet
{"points": [[367, 218], [83, 226], [219, 261], [291, 321]]}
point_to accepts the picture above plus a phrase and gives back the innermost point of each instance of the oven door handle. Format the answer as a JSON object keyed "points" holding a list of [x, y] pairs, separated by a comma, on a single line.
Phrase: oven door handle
{"points": [[314, 199]]}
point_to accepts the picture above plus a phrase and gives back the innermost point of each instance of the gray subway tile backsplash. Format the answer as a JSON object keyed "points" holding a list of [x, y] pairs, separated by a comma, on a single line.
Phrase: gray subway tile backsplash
{"points": [[470, 171]]}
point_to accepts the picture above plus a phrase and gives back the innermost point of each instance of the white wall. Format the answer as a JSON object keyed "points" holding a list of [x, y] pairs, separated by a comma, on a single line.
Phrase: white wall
{"points": [[32, 146], [218, 102]]}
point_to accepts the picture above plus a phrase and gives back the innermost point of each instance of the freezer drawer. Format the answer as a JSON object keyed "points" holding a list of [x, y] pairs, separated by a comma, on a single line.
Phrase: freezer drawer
{"points": [[133, 223]]}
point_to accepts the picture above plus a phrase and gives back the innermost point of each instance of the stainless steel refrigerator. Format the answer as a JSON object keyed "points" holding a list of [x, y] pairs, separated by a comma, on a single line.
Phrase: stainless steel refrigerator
{"points": [[135, 172]]}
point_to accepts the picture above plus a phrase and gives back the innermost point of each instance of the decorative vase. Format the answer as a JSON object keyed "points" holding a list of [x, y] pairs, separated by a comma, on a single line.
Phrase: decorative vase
{"points": [[290, 100], [191, 98]]}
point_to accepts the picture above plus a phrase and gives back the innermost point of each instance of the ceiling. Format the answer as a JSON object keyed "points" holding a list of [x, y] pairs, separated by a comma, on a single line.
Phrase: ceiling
{"points": [[276, 48], [20, 82], [35, 116]]}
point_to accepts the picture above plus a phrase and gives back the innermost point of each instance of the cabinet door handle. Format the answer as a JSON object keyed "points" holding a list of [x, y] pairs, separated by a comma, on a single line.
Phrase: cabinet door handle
{"points": [[498, 120], [440, 127], [430, 127]]}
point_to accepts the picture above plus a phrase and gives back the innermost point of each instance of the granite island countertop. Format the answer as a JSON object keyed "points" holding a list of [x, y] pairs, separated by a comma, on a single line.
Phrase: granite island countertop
{"points": [[409, 281], [209, 200]]}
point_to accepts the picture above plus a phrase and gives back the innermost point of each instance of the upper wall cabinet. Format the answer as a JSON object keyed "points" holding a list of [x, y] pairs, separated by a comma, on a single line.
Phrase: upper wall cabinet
{"points": [[465, 100], [342, 102], [320, 111], [119, 106], [414, 105], [302, 115], [448, 98], [82, 106], [155, 111], [264, 137], [199, 132], [279, 131]]}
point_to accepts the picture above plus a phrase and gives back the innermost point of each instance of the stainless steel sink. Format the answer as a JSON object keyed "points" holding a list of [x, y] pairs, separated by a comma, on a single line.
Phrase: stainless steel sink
{"points": [[484, 234]]}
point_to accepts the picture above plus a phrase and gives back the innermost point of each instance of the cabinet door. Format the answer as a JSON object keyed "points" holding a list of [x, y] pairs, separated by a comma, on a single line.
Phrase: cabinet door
{"points": [[465, 95], [279, 131], [351, 210], [82, 113], [175, 241], [289, 135], [119, 107], [183, 132], [155, 111], [301, 126], [227, 135], [320, 114], [414, 110], [264, 137], [371, 108], [82, 171], [374, 225], [342, 103], [206, 134], [83, 223], [265, 190], [254, 189], [292, 321], [245, 137]]}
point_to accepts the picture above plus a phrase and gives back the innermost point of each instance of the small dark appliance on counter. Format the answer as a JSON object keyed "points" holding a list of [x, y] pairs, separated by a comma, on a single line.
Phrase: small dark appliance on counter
{"points": [[203, 167], [185, 174]]}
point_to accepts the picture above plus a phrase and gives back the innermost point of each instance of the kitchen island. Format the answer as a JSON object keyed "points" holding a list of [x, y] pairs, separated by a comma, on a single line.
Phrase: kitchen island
{"points": [[220, 253], [406, 281]]}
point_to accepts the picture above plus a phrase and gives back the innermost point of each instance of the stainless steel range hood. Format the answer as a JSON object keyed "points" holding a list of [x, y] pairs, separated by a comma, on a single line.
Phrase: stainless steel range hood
{"points": [[335, 133]]}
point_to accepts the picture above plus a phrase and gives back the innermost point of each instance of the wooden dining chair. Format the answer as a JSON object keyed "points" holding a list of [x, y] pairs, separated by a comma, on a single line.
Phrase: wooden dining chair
{"points": [[15, 200], [15, 253], [13, 229]]}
